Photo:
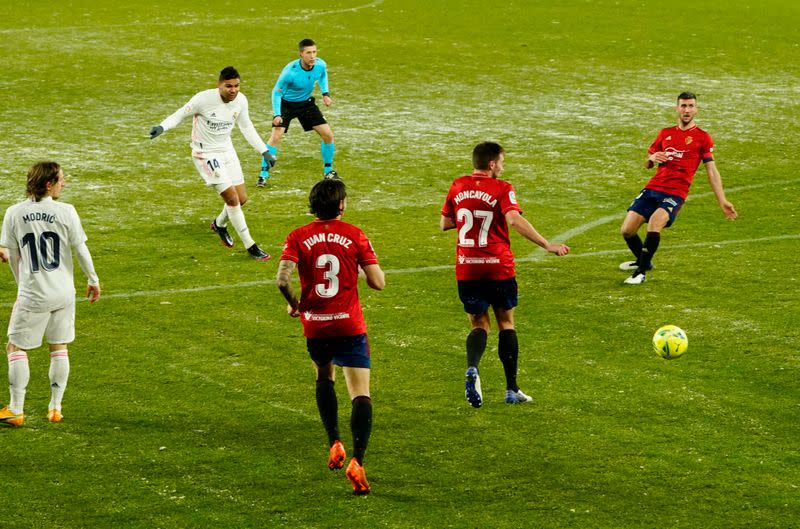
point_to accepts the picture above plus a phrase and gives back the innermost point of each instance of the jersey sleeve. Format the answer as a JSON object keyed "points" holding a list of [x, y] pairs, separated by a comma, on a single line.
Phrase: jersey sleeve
{"points": [[189, 109], [323, 78], [247, 128], [447, 207], [366, 253], [280, 86], [656, 145], [507, 201], [5, 237], [289, 252], [76, 234], [707, 155]]}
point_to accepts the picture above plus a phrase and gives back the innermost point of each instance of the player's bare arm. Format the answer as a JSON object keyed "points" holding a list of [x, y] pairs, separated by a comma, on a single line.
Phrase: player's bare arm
{"points": [[375, 277], [4, 255], [447, 223], [522, 226], [284, 280], [715, 181]]}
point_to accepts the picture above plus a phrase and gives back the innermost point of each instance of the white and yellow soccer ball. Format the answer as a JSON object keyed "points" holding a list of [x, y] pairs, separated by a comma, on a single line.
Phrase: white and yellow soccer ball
{"points": [[670, 342]]}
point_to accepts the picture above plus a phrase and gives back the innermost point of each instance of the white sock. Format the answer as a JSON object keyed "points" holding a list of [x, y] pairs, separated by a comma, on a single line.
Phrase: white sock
{"points": [[59, 373], [236, 216], [18, 376], [222, 219]]}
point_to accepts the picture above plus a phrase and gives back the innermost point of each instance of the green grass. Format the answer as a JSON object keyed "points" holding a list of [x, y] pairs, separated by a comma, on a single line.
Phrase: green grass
{"points": [[190, 402]]}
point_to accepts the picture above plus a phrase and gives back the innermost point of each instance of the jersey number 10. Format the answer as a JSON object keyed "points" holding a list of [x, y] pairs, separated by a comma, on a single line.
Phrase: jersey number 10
{"points": [[48, 253]]}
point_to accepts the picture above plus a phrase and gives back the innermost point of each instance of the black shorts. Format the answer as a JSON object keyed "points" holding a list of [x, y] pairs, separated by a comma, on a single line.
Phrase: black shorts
{"points": [[477, 296], [347, 351], [648, 201], [306, 112]]}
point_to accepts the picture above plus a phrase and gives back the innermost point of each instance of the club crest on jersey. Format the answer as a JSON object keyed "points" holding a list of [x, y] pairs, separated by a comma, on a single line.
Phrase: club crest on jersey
{"points": [[688, 140]]}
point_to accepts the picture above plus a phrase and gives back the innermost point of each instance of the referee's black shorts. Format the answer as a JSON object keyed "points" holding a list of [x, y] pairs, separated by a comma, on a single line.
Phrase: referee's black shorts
{"points": [[306, 112]]}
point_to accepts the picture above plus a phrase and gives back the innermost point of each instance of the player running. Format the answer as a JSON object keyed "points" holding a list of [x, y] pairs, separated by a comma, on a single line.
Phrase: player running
{"points": [[677, 151], [330, 255], [482, 207], [214, 114]]}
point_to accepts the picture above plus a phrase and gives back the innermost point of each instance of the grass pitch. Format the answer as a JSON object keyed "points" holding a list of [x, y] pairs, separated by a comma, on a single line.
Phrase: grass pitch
{"points": [[190, 402]]}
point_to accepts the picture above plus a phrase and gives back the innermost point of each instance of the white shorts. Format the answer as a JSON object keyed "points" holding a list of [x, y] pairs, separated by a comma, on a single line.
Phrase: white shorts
{"points": [[220, 170], [26, 328]]}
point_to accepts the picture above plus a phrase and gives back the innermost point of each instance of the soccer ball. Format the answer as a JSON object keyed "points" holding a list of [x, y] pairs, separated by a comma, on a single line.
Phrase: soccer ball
{"points": [[670, 342]]}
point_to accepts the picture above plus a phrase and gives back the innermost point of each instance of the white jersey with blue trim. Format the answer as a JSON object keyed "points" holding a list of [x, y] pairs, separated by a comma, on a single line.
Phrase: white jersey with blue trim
{"points": [[214, 120], [44, 234]]}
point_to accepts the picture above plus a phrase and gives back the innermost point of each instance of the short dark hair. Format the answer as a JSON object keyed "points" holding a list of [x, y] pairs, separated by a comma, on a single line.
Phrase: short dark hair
{"points": [[485, 152], [39, 175], [305, 43], [324, 199], [687, 95], [228, 73]]}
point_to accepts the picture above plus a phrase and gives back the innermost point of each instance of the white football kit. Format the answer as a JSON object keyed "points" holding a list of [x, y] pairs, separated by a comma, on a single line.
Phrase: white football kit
{"points": [[212, 149], [40, 237]]}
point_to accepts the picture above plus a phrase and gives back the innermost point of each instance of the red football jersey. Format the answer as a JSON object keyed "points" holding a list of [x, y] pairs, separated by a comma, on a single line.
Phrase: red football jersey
{"points": [[328, 253], [685, 149], [478, 205]]}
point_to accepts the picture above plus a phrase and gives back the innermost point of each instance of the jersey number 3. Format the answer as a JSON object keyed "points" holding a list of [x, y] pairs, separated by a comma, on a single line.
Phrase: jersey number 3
{"points": [[330, 263], [48, 253], [467, 217]]}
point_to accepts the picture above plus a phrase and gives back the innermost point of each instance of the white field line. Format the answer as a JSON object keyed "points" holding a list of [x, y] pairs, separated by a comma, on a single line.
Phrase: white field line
{"points": [[421, 269], [239, 391]]}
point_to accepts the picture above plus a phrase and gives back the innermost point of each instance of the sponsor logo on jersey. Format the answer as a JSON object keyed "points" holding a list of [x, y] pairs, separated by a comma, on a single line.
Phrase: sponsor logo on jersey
{"points": [[310, 316], [672, 152]]}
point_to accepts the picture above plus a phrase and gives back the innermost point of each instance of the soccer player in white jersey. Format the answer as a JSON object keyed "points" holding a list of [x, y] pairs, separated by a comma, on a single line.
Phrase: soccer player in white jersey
{"points": [[214, 113], [39, 235]]}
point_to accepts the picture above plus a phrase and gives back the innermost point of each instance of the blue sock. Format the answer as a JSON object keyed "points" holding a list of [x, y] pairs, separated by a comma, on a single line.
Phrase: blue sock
{"points": [[264, 167], [327, 157]]}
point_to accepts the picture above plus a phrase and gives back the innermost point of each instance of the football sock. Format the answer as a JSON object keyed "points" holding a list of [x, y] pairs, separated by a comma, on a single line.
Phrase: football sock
{"points": [[327, 156], [634, 242], [264, 167], [508, 351], [328, 408], [650, 246], [361, 426], [222, 218], [476, 345], [18, 376], [236, 216], [59, 373]]}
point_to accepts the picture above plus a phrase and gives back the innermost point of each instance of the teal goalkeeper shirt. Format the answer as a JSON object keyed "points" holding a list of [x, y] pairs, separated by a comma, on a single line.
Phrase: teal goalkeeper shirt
{"points": [[296, 84]]}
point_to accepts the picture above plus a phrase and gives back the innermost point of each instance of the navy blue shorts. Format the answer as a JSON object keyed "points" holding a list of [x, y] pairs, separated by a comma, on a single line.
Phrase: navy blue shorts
{"points": [[307, 112], [477, 296], [347, 351], [648, 201]]}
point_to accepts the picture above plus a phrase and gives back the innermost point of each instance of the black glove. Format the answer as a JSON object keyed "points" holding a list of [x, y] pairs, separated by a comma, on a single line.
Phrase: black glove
{"points": [[156, 131], [269, 158]]}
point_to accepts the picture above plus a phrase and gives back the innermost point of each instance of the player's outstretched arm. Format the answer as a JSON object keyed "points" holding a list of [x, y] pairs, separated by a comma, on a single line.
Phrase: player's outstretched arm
{"points": [[526, 229], [284, 281]]}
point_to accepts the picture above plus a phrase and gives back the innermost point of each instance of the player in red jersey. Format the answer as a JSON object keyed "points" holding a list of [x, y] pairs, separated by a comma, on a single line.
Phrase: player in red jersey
{"points": [[482, 207], [677, 151], [330, 255]]}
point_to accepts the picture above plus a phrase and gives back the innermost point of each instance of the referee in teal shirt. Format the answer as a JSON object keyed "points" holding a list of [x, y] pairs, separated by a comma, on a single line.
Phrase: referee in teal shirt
{"points": [[291, 98]]}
